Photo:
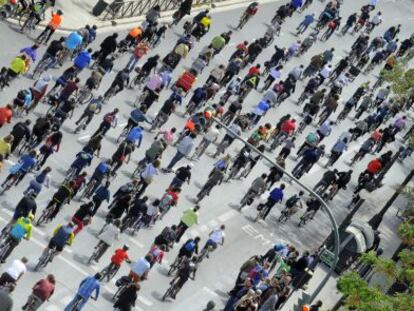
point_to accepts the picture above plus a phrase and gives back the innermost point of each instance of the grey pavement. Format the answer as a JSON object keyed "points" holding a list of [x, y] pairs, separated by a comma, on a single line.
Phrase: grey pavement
{"points": [[244, 237]]}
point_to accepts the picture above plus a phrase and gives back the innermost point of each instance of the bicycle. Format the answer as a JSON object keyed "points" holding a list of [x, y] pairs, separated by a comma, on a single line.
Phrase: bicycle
{"points": [[122, 284], [45, 258], [46, 215], [247, 199], [4, 249], [308, 215], [77, 303], [172, 290], [178, 262], [41, 67], [262, 209], [32, 303], [88, 191], [139, 79], [11, 182], [81, 126], [96, 253], [304, 96], [27, 22], [243, 21], [284, 215], [109, 272]]}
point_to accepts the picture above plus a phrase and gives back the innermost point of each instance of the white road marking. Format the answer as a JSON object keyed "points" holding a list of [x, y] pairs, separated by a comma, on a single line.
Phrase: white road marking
{"points": [[84, 138], [227, 215], [52, 308], [211, 292], [136, 243], [109, 290], [10, 162], [203, 228], [213, 223], [66, 300], [145, 301]]}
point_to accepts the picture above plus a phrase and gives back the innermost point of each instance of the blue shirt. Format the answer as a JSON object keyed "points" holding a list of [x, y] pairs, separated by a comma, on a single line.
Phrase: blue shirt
{"points": [[309, 19], [73, 40], [83, 60], [88, 286], [176, 97], [135, 135], [138, 116], [27, 162], [103, 167], [277, 194], [102, 193]]}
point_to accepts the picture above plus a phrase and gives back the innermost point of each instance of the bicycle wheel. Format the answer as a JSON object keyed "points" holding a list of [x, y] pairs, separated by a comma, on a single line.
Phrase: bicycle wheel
{"points": [[168, 293], [3, 251], [43, 217], [42, 261]]}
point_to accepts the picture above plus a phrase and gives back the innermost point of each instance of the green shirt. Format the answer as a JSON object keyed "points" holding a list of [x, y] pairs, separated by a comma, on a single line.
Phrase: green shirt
{"points": [[190, 218], [218, 42]]}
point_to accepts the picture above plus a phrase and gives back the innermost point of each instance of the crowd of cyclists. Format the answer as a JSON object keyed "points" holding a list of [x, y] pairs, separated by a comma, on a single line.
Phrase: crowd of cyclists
{"points": [[216, 113]]}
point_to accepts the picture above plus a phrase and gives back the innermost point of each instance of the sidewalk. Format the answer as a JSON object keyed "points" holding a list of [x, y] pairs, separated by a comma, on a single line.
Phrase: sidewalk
{"points": [[77, 13]]}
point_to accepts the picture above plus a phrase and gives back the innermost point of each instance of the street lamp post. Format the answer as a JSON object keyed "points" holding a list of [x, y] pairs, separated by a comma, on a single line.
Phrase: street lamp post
{"points": [[325, 207]]}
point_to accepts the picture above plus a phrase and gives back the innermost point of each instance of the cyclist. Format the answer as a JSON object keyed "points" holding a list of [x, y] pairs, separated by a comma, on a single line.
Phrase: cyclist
{"points": [[21, 229], [187, 220], [257, 187], [157, 252], [140, 269], [189, 248], [93, 107], [182, 175], [328, 178], [120, 255], [82, 160], [186, 271], [107, 237], [36, 184], [82, 217], [121, 155], [215, 238], [41, 292], [135, 136], [14, 272], [213, 180], [26, 163], [19, 132], [54, 23], [121, 80], [26, 206], [109, 120], [275, 196], [61, 196], [312, 207], [87, 287]]}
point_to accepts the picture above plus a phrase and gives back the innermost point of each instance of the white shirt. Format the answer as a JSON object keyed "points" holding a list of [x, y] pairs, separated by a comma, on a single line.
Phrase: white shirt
{"points": [[326, 71], [16, 269], [276, 74], [152, 210], [212, 134], [110, 234], [217, 236], [140, 266], [346, 135], [376, 20]]}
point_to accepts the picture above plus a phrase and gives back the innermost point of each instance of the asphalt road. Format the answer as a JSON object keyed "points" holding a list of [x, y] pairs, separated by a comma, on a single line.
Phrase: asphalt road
{"points": [[244, 237]]}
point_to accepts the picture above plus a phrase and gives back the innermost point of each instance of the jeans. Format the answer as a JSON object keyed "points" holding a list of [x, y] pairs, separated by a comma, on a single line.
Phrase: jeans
{"points": [[177, 157], [71, 304], [132, 62], [176, 183]]}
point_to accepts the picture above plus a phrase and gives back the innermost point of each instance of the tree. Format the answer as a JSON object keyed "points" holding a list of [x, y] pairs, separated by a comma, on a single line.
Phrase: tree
{"points": [[401, 80], [360, 295]]}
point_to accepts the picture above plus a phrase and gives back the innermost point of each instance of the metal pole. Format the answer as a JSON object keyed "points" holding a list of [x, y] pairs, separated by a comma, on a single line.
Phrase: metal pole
{"points": [[324, 206]]}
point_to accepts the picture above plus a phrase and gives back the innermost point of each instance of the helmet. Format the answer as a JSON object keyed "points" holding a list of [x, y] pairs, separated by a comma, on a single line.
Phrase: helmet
{"points": [[31, 216], [125, 247], [207, 114]]}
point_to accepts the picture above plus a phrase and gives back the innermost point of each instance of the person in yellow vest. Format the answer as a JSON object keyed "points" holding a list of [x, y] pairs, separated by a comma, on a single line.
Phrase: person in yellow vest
{"points": [[17, 66], [51, 27]]}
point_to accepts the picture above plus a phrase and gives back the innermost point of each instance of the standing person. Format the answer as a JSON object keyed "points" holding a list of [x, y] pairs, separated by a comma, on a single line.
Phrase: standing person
{"points": [[183, 150], [87, 287], [139, 52], [51, 27], [188, 219], [41, 292]]}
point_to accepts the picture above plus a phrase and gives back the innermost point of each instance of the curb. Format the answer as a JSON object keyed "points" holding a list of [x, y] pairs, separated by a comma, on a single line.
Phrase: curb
{"points": [[166, 16]]}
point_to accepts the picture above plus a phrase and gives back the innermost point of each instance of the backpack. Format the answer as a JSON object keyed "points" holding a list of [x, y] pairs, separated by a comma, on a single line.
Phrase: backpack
{"points": [[292, 201], [166, 201], [109, 118]]}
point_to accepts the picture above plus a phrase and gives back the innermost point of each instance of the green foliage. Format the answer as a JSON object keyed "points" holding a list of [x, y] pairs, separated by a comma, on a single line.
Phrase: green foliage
{"points": [[401, 80]]}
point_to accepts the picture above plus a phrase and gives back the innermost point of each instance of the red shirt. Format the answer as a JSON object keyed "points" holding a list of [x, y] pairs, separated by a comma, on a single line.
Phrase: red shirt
{"points": [[43, 289], [242, 47], [253, 71], [374, 166], [288, 127], [5, 115], [119, 257]]}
